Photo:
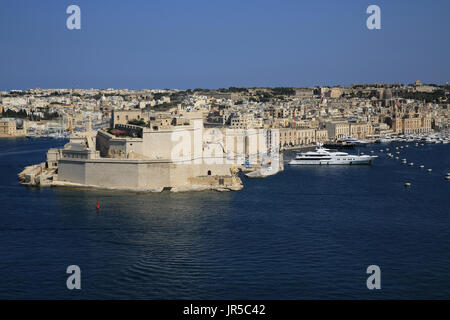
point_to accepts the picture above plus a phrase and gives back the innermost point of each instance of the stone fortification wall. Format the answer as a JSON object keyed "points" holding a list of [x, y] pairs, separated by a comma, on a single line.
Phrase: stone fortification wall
{"points": [[116, 173]]}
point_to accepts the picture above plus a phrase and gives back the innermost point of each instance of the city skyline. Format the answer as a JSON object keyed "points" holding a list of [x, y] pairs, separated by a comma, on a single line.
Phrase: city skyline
{"points": [[217, 45], [381, 84]]}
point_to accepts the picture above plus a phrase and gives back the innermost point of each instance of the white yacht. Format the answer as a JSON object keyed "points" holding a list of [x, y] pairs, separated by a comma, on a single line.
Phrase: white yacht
{"points": [[323, 156], [353, 141]]}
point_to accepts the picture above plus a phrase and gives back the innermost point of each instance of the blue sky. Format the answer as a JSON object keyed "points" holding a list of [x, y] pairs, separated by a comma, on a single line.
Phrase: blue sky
{"points": [[212, 44]]}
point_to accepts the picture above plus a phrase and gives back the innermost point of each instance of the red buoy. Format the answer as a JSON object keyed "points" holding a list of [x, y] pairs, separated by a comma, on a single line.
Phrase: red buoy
{"points": [[98, 206]]}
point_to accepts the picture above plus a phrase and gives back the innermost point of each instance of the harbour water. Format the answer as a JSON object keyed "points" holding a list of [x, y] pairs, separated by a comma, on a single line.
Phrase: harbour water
{"points": [[306, 233]]}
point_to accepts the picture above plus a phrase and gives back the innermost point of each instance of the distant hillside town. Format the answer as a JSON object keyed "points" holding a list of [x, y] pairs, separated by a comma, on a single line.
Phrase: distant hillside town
{"points": [[303, 116]]}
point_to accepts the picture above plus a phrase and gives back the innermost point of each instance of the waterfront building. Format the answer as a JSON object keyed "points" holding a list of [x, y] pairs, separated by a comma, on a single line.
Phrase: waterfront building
{"points": [[10, 127], [337, 129], [321, 135], [360, 130], [412, 124], [305, 136], [293, 137], [410, 120], [288, 137]]}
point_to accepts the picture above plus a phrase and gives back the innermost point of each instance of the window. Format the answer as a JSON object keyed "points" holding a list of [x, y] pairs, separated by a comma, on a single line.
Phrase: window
{"points": [[209, 172]]}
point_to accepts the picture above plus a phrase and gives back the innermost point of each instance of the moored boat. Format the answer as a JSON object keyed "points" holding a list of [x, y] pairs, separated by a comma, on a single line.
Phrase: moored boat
{"points": [[323, 156]]}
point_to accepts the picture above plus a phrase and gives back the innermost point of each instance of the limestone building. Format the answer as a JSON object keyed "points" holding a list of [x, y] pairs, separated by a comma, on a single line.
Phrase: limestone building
{"points": [[10, 127], [337, 129], [179, 155]]}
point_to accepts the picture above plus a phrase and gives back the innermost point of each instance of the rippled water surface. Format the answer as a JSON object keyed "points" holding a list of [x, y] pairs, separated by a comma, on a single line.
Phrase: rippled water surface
{"points": [[309, 232]]}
